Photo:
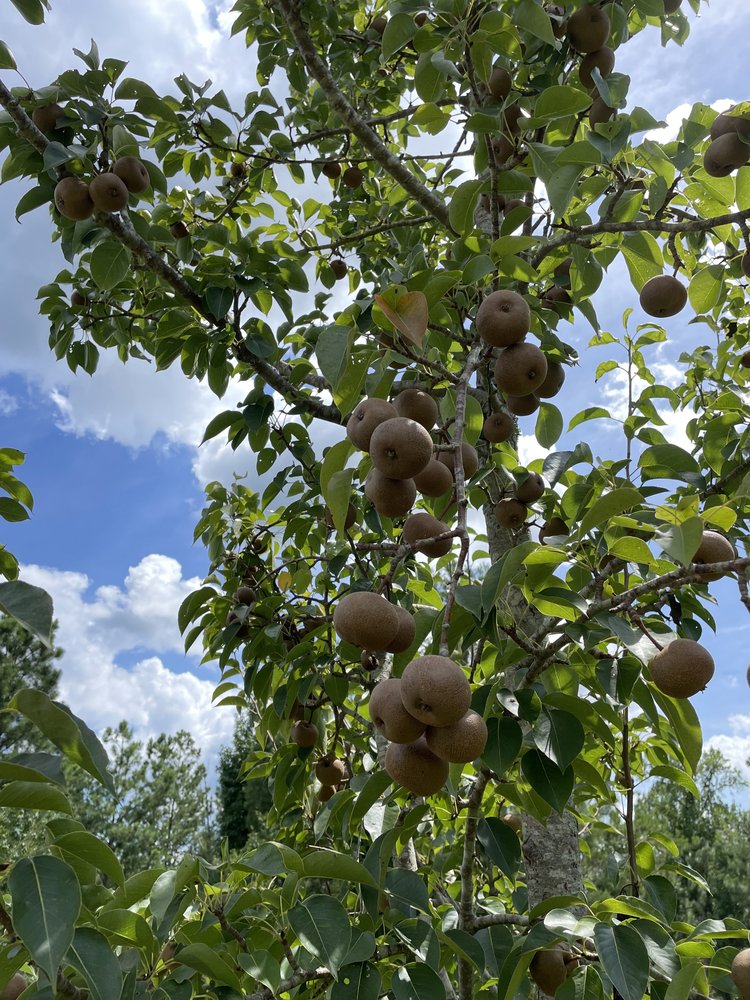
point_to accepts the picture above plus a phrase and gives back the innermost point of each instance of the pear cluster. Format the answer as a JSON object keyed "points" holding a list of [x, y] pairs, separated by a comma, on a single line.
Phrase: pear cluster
{"points": [[426, 717], [107, 192], [588, 31], [512, 511], [728, 149]]}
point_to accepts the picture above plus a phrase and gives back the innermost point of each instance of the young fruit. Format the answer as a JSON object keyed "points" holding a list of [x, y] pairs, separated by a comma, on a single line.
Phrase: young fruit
{"points": [[304, 734], [741, 972], [78, 299], [330, 770], [368, 661], [332, 169], [503, 318], [520, 369], [588, 29], [522, 406], [726, 123], [179, 230], [339, 268], [416, 768], [434, 689], [510, 513], [325, 792], [352, 177], [388, 715], [460, 743], [390, 497], [603, 60], [407, 630], [349, 520], [422, 526], [663, 296], [554, 526], [725, 155], [498, 427], [712, 549], [470, 460], [556, 295], [72, 199], [550, 968], [600, 112], [434, 480], [132, 173], [400, 448], [379, 24], [365, 619], [499, 83], [553, 382], [244, 595], [366, 416], [531, 489], [45, 117], [682, 668], [108, 192], [417, 405]]}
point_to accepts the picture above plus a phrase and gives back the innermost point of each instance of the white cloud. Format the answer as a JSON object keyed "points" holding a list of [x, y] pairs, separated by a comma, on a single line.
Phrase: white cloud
{"points": [[140, 615], [8, 403], [735, 745]]}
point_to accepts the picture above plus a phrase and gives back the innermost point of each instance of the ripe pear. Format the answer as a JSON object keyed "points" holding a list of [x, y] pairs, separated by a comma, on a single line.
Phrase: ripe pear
{"points": [[600, 112], [379, 24], [553, 383], [179, 230], [522, 406], [365, 417], [416, 768], [388, 715], [551, 527], [325, 792], [714, 548], [407, 630], [725, 155], [588, 29], [499, 83], [550, 968], [503, 318], [602, 59], [745, 264], [741, 973], [349, 520], [304, 734], [726, 123], [332, 169], [352, 177], [469, 456], [72, 199], [132, 173], [531, 489], [520, 369], [330, 770], [498, 427], [369, 661], [663, 296], [45, 117], [366, 620], [339, 268], [424, 525], [14, 987], [390, 497], [400, 448], [244, 595], [108, 192], [434, 480], [460, 743], [556, 295], [417, 405], [510, 513], [744, 359], [78, 299], [502, 149], [682, 668], [434, 689]]}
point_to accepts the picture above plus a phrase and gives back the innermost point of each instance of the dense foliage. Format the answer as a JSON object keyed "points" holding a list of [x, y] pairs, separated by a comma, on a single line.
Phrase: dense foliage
{"points": [[449, 187]]}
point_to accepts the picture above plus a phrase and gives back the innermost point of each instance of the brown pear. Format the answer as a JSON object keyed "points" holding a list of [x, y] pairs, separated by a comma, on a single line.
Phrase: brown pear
{"points": [[244, 595], [14, 987], [369, 661], [725, 124], [400, 448], [304, 734], [499, 83], [108, 192], [417, 405], [520, 369], [510, 513], [72, 199], [407, 630], [588, 29], [503, 318], [725, 155], [671, 6], [553, 526], [332, 169], [379, 24], [745, 264], [330, 770], [416, 768], [741, 973], [498, 427], [531, 489], [663, 296], [460, 743], [434, 480], [434, 689], [179, 230], [682, 668], [714, 548], [349, 520], [46, 116], [365, 417], [352, 177], [388, 715], [325, 792], [600, 112], [603, 60], [422, 526], [339, 268], [553, 383], [522, 406], [549, 969], [366, 620], [390, 497], [469, 456], [558, 296], [132, 173]]}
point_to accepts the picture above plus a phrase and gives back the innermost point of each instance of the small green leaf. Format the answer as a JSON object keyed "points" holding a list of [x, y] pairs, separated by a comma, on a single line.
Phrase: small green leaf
{"points": [[417, 982], [6, 57], [504, 739], [110, 262], [332, 864], [210, 963], [462, 206], [530, 16], [30, 606], [609, 505], [547, 780], [399, 30], [549, 425], [559, 102], [501, 845]]}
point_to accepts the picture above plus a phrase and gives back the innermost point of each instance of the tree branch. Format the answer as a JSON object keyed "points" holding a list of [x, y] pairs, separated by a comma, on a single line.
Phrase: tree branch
{"points": [[466, 899], [351, 117]]}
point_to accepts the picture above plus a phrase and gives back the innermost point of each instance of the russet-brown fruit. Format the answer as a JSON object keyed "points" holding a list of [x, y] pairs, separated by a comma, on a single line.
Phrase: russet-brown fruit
{"points": [[352, 177], [330, 770], [520, 369], [460, 743], [503, 318], [498, 427], [332, 169], [349, 520], [554, 381], [745, 264], [556, 295], [417, 405], [390, 497], [510, 513], [400, 448], [671, 6], [422, 526], [46, 116], [434, 480], [663, 296], [14, 987], [682, 669], [108, 192], [325, 792], [339, 268], [714, 548], [602, 59], [366, 416], [244, 595], [388, 715], [554, 526], [304, 734], [132, 173], [366, 619], [179, 230], [522, 406], [600, 112], [499, 83], [469, 456], [531, 489], [725, 124], [434, 689], [379, 24], [407, 629], [549, 969], [725, 155], [416, 768], [741, 973], [588, 29], [72, 199]]}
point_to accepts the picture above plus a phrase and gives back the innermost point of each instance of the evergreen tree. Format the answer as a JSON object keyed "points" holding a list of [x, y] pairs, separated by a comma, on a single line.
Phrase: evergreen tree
{"points": [[24, 662], [243, 805]]}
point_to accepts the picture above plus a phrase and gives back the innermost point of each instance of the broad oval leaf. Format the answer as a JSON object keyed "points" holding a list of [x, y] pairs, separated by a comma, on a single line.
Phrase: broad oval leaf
{"points": [[322, 925], [624, 958], [92, 956]]}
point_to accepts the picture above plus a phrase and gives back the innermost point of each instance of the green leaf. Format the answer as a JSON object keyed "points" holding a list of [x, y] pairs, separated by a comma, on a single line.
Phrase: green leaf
{"points": [[624, 958], [332, 352], [408, 888], [31, 606], [530, 16], [590, 413], [322, 925], [706, 287], [560, 736], [32, 199], [609, 505], [33, 795], [399, 30], [31, 10], [682, 982], [681, 541], [501, 844], [357, 982], [504, 739], [465, 946], [547, 780], [668, 461], [331, 864], [218, 300], [585, 984], [429, 79], [68, 733], [46, 903], [549, 425], [685, 724], [6, 57], [559, 102], [110, 262], [33, 767], [417, 982], [643, 257], [262, 966], [93, 851], [92, 956], [275, 859], [207, 961], [462, 206]]}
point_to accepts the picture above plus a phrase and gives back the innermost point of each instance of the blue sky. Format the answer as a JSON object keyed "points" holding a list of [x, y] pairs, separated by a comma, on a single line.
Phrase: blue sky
{"points": [[114, 462]]}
